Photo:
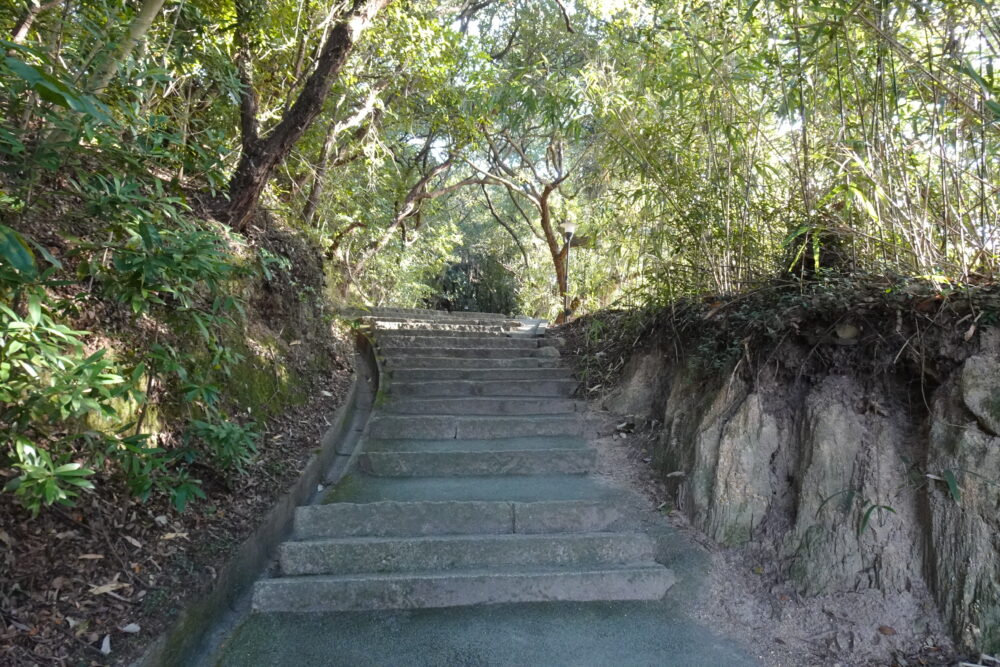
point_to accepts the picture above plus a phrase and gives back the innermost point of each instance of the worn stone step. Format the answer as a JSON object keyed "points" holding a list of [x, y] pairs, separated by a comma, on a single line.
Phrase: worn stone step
{"points": [[492, 445], [447, 333], [397, 343], [390, 518], [416, 590], [540, 388], [458, 552], [427, 314], [481, 326], [357, 487], [399, 354], [477, 405], [413, 361], [475, 427], [512, 462], [475, 374]]}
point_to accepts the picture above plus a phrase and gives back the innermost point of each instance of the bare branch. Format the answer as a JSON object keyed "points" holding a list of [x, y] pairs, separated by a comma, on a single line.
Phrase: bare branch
{"points": [[503, 224], [565, 15]]}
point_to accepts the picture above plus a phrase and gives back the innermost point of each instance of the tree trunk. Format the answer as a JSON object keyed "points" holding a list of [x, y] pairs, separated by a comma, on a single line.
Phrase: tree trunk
{"points": [[261, 155], [27, 19], [136, 31]]}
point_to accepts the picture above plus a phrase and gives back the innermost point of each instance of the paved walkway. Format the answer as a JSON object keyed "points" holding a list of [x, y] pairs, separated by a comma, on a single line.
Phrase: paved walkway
{"points": [[470, 531]]}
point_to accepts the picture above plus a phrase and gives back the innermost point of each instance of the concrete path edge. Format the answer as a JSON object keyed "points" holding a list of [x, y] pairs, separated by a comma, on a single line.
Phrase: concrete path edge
{"points": [[190, 635]]}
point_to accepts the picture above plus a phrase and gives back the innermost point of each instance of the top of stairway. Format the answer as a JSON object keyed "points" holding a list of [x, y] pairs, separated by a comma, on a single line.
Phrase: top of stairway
{"points": [[472, 321]]}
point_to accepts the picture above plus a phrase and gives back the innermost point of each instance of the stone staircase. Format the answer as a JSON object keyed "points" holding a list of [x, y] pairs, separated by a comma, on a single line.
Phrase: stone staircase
{"points": [[471, 486]]}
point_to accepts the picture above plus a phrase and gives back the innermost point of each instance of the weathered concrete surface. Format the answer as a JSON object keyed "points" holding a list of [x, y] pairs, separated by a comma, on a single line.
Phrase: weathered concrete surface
{"points": [[396, 362], [462, 587], [447, 426], [487, 406], [594, 634], [438, 552], [430, 373], [514, 462], [538, 388]]}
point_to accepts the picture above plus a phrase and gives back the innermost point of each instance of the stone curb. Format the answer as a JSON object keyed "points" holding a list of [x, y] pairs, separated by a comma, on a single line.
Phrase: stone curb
{"points": [[190, 635]]}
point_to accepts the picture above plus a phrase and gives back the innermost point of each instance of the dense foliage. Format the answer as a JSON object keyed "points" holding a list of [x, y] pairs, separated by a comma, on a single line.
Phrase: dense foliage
{"points": [[702, 148]]}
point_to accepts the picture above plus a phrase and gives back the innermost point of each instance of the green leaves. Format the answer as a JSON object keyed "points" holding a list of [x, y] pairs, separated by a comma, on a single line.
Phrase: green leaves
{"points": [[56, 91], [16, 254]]}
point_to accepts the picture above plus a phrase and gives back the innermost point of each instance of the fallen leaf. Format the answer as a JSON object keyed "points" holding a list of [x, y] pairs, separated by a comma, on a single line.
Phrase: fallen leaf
{"points": [[107, 588], [106, 645], [161, 520], [886, 630], [131, 628], [90, 556], [173, 536], [134, 542]]}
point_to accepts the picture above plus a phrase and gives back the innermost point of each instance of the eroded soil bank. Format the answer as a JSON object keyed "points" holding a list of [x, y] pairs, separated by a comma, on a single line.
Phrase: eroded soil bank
{"points": [[842, 469]]}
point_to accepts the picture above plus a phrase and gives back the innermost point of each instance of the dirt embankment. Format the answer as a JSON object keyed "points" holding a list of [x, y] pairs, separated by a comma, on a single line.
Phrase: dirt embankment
{"points": [[839, 449]]}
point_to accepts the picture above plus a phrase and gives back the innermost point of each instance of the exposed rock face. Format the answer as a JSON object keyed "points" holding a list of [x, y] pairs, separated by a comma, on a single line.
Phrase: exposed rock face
{"points": [[964, 535], [836, 476]]}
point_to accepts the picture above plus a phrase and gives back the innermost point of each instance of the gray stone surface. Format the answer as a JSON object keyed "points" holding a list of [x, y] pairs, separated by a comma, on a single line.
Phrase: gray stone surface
{"points": [[537, 388], [401, 354], [524, 462], [491, 445], [420, 361], [432, 373], [461, 587], [456, 552], [445, 426], [552, 634], [401, 342], [488, 406]]}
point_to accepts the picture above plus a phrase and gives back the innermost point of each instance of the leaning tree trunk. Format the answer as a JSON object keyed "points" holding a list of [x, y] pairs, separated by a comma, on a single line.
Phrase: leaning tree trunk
{"points": [[262, 154]]}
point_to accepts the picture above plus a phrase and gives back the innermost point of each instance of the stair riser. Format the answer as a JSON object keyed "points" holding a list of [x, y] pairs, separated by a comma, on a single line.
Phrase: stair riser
{"points": [[400, 354], [380, 556], [472, 428], [508, 407], [393, 519], [452, 464], [473, 327], [396, 343], [469, 388], [436, 374], [389, 334], [485, 363], [322, 594]]}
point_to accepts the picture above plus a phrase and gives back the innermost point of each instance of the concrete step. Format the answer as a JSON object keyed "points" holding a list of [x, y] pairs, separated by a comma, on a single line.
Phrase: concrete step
{"points": [[460, 388], [474, 325], [357, 487], [415, 518], [446, 333], [400, 353], [427, 314], [492, 445], [417, 590], [447, 464], [493, 406], [475, 374], [460, 552], [397, 342], [451, 426], [412, 361]]}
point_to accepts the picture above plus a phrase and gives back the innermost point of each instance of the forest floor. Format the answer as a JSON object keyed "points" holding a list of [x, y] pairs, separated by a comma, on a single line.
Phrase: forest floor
{"points": [[97, 583]]}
